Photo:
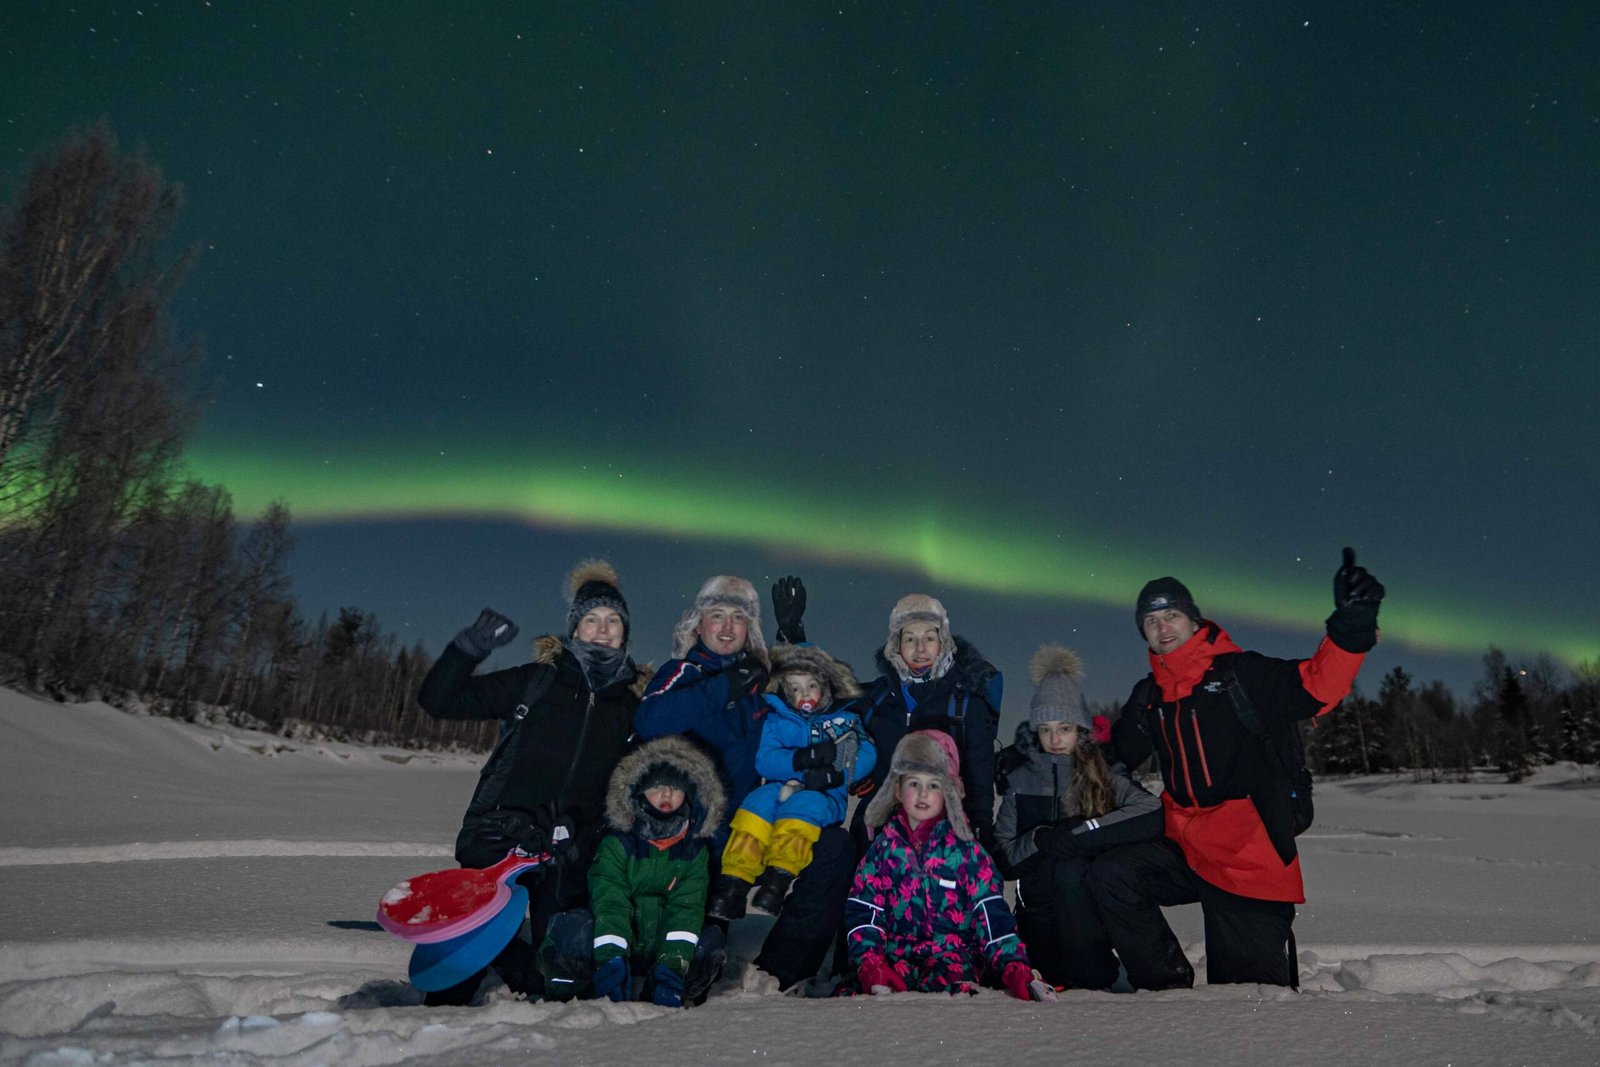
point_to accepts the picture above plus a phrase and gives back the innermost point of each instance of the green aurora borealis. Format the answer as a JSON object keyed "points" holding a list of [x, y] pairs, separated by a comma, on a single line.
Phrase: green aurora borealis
{"points": [[1018, 305], [1000, 558]]}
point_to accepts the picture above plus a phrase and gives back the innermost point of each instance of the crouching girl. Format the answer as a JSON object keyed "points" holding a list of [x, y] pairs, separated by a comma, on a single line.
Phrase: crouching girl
{"points": [[926, 912], [1065, 804]]}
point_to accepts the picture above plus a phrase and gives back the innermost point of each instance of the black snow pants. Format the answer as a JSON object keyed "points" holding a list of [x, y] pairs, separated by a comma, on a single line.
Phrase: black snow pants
{"points": [[1060, 923], [814, 913], [1247, 940]]}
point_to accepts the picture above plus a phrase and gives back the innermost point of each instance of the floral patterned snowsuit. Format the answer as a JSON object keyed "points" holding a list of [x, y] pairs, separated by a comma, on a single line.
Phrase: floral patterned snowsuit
{"points": [[931, 905]]}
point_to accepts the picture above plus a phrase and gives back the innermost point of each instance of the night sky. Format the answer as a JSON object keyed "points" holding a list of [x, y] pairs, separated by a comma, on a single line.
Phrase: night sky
{"points": [[1017, 306]]}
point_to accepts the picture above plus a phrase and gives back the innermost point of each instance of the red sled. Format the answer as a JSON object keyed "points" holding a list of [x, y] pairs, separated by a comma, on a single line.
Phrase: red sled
{"points": [[447, 904]]}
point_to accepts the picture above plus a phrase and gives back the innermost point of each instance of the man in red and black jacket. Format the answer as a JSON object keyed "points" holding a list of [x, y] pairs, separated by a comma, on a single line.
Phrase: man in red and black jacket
{"points": [[1228, 844]]}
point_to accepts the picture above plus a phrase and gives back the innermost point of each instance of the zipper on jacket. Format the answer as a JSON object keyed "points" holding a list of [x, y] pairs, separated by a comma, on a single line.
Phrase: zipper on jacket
{"points": [[1200, 747], [1161, 728], [1183, 752]]}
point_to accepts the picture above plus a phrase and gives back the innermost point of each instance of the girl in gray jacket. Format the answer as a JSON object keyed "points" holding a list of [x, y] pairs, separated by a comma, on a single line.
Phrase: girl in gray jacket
{"points": [[1064, 804]]}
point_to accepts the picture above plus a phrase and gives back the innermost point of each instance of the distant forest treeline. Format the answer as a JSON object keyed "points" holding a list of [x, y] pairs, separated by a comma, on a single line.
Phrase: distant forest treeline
{"points": [[1518, 717], [122, 579]]}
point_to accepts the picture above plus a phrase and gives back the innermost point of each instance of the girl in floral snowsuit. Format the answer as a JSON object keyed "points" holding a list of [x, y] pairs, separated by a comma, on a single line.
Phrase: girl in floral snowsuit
{"points": [[926, 911]]}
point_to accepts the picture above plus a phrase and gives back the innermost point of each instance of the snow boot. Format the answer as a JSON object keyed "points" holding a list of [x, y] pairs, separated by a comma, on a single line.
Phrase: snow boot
{"points": [[1174, 971], [773, 888], [566, 958], [517, 966], [705, 966], [728, 902]]}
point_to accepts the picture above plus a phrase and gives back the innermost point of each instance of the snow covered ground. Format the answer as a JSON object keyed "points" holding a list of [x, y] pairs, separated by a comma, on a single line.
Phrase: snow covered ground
{"points": [[172, 893]]}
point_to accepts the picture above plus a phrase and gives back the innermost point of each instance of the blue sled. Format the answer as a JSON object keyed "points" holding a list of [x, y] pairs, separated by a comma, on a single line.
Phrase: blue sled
{"points": [[443, 964]]}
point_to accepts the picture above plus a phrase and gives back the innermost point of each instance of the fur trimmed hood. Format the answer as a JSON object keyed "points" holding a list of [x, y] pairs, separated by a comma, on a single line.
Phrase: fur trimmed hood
{"points": [[707, 802], [968, 660], [547, 649], [837, 679]]}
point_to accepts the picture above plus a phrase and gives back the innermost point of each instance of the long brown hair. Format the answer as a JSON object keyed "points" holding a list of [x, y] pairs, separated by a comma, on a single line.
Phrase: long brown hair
{"points": [[1090, 795]]}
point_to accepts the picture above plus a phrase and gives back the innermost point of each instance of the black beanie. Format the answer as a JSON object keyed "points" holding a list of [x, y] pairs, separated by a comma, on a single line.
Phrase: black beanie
{"points": [[593, 584], [1162, 594]]}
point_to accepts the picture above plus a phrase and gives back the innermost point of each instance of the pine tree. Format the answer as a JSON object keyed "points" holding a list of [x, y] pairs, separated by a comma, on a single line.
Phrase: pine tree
{"points": [[1409, 743], [1511, 752]]}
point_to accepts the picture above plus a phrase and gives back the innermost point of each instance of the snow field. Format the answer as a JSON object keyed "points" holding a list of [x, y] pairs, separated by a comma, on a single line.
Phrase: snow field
{"points": [[185, 894]]}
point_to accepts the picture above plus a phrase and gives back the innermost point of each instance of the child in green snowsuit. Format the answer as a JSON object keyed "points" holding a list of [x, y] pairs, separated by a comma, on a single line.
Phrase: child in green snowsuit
{"points": [[647, 887]]}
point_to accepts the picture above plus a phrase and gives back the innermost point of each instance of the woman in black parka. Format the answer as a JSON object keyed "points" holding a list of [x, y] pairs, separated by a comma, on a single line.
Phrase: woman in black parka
{"points": [[566, 719], [932, 680]]}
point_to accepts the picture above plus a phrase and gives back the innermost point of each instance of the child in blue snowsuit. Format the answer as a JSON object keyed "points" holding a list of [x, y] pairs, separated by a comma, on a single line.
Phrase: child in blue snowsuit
{"points": [[813, 748]]}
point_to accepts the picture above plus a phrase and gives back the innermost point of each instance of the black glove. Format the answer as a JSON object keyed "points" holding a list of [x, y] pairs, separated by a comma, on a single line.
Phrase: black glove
{"points": [[789, 604], [1009, 759], [1056, 842], [487, 634], [745, 675], [1353, 626], [549, 832], [822, 778], [818, 755], [1353, 584]]}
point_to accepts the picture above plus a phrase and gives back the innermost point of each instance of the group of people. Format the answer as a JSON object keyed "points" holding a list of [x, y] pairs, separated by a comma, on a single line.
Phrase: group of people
{"points": [[670, 804]]}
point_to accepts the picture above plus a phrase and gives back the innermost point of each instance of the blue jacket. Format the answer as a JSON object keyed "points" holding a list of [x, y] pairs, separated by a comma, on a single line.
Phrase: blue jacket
{"points": [[690, 696], [787, 731]]}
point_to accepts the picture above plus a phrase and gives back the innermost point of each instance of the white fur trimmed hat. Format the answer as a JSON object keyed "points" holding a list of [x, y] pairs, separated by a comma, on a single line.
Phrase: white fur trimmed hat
{"points": [[726, 590], [930, 752], [919, 607], [1057, 697]]}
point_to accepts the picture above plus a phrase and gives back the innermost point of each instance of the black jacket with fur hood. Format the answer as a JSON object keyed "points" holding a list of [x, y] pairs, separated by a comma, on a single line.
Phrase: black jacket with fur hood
{"points": [[553, 762], [964, 703]]}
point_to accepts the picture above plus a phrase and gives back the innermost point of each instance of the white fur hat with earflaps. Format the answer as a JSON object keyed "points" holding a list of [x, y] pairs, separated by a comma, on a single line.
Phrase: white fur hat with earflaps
{"points": [[931, 752], [726, 590], [919, 607]]}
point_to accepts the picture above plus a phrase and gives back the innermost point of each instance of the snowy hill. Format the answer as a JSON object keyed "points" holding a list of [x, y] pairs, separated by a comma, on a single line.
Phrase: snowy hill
{"points": [[175, 893]]}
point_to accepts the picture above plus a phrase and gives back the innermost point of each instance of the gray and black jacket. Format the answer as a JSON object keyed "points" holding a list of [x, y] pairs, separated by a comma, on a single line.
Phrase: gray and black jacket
{"points": [[1035, 796]]}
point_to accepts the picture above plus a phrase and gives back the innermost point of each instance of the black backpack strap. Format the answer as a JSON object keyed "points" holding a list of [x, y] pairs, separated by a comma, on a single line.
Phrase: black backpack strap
{"points": [[1246, 711], [1242, 707], [538, 686], [497, 768]]}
